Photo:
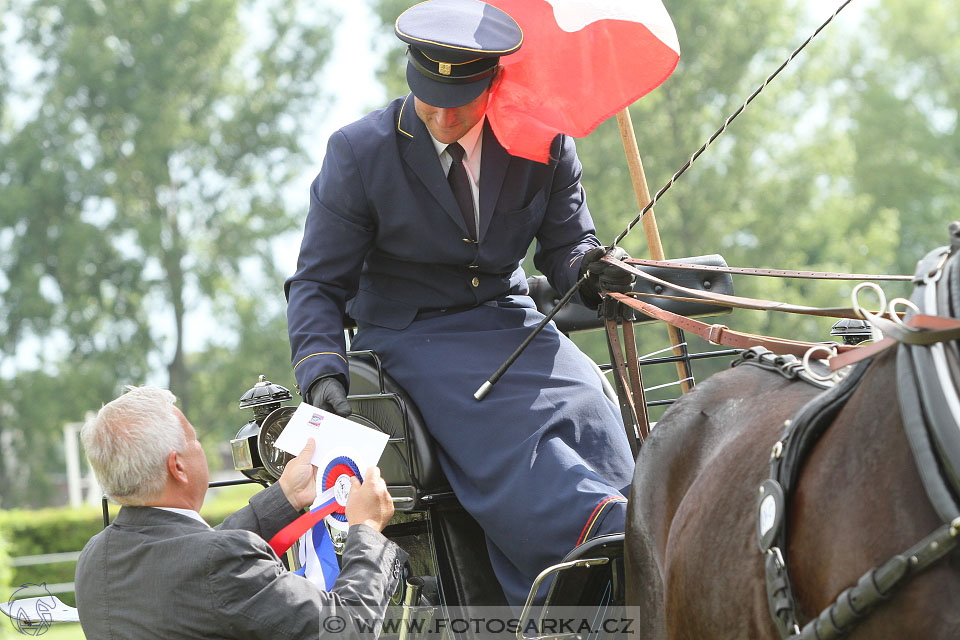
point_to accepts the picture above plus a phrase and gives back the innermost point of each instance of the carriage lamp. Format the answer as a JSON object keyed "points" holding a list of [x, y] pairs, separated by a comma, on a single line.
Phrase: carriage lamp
{"points": [[254, 453], [851, 330]]}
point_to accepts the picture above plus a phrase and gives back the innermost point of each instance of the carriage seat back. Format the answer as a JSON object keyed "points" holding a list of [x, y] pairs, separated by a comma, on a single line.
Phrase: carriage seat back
{"points": [[410, 468], [409, 463]]}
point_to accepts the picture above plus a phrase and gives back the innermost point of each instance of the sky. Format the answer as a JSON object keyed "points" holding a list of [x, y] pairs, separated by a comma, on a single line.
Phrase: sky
{"points": [[351, 67]]}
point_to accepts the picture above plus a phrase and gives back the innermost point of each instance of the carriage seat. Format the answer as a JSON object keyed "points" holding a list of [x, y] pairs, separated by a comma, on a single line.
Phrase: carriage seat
{"points": [[409, 463]]}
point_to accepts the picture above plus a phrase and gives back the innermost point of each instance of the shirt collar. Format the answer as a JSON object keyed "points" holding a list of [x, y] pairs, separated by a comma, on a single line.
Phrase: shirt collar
{"points": [[190, 513], [468, 141]]}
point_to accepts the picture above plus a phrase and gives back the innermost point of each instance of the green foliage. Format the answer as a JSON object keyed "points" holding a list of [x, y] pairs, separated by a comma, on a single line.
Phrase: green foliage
{"points": [[147, 184], [904, 120], [391, 72], [223, 373], [5, 581]]}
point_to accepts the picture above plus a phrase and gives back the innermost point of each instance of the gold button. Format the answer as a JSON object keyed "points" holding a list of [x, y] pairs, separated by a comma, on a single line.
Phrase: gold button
{"points": [[475, 282], [474, 266], [467, 240]]}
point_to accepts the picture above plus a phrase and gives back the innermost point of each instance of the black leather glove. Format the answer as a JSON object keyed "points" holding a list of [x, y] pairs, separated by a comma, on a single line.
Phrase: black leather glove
{"points": [[327, 393], [603, 276]]}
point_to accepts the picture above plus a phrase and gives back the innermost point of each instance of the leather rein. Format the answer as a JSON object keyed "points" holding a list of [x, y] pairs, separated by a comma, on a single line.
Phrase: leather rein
{"points": [[920, 329]]}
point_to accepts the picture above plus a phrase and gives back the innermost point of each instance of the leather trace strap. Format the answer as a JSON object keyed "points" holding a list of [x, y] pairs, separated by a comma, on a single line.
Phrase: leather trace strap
{"points": [[721, 334], [776, 273]]}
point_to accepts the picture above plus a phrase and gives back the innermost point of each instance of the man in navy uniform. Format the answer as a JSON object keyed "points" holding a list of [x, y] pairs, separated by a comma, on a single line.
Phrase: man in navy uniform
{"points": [[418, 222]]}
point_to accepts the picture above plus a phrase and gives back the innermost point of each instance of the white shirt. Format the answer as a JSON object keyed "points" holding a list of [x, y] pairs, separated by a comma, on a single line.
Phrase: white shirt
{"points": [[472, 143], [190, 513]]}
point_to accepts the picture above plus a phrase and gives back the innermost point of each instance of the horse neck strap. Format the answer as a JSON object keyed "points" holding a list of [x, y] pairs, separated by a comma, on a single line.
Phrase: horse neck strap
{"points": [[799, 436]]}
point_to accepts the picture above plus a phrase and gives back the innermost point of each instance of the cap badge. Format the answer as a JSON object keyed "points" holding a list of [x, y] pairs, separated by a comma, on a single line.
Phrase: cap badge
{"points": [[444, 68]]}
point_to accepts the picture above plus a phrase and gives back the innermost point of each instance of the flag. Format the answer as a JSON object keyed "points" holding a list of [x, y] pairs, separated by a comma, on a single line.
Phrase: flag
{"points": [[581, 62]]}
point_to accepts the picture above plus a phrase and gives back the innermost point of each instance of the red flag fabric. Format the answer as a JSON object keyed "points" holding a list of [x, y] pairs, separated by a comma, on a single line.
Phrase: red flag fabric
{"points": [[581, 62]]}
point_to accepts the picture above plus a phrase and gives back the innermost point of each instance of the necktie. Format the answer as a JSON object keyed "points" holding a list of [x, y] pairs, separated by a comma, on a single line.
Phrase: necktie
{"points": [[460, 185]]}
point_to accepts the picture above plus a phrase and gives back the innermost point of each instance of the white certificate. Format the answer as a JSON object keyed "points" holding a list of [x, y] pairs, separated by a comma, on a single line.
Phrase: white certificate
{"points": [[334, 436]]}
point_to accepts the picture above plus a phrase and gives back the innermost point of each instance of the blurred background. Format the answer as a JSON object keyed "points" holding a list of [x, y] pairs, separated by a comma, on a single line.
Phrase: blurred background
{"points": [[155, 159]]}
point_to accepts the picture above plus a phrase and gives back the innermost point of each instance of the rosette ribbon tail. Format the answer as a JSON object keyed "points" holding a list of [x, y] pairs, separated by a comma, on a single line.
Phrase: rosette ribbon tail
{"points": [[285, 538]]}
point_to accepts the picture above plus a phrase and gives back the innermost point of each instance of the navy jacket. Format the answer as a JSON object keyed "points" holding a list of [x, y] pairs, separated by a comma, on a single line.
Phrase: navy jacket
{"points": [[384, 238]]}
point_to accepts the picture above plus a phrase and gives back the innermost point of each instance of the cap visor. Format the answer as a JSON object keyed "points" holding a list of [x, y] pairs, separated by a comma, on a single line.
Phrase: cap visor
{"points": [[441, 94]]}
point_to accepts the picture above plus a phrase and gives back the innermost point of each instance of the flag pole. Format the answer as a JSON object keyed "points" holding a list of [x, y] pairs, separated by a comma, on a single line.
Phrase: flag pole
{"points": [[649, 221]]}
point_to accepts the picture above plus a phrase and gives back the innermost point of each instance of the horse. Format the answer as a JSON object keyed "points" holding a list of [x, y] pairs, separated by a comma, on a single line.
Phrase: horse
{"points": [[694, 567]]}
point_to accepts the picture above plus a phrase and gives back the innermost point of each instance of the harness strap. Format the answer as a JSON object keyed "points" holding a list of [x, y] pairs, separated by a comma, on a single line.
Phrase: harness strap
{"points": [[721, 334], [823, 312], [915, 426], [788, 366], [939, 329], [878, 584], [799, 436]]}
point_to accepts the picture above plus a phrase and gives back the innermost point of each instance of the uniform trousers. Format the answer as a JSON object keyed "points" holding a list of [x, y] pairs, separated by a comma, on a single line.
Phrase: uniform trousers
{"points": [[542, 463]]}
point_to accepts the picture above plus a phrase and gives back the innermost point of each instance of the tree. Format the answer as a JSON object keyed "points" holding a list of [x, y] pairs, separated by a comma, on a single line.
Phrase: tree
{"points": [[903, 118], [178, 136], [147, 185], [220, 377]]}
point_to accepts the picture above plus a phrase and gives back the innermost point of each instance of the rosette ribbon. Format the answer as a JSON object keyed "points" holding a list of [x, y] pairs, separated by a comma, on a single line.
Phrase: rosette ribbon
{"points": [[329, 504]]}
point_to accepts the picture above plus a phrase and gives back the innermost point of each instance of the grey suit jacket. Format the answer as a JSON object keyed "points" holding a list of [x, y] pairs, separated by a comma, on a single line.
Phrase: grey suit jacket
{"points": [[157, 574]]}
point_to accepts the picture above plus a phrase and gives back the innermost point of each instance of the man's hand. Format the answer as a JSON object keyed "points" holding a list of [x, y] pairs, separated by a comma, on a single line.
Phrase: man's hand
{"points": [[299, 478], [603, 276], [369, 503], [327, 393]]}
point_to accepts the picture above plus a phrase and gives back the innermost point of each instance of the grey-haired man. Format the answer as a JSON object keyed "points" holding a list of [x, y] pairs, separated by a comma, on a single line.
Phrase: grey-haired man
{"points": [[160, 571]]}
